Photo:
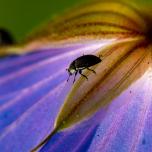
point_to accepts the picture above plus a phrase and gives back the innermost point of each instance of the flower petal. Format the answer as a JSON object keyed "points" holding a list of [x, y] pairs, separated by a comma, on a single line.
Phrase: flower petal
{"points": [[122, 128], [122, 68], [32, 89]]}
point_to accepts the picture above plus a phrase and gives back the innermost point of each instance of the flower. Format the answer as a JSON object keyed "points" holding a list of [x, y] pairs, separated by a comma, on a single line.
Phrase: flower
{"points": [[110, 112]]}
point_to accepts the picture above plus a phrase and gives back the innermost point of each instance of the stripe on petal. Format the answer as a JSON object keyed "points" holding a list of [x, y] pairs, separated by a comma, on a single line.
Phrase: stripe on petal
{"points": [[87, 97]]}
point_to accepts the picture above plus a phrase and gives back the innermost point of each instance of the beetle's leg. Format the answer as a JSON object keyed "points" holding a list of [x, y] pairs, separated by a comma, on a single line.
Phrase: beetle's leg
{"points": [[92, 70], [101, 56], [68, 78], [80, 72], [75, 76]]}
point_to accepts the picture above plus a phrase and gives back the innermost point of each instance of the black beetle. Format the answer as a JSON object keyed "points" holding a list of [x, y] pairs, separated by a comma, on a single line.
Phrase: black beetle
{"points": [[81, 63]]}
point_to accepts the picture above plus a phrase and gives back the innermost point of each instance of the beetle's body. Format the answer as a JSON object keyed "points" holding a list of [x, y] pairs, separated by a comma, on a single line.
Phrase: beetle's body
{"points": [[81, 63], [85, 61]]}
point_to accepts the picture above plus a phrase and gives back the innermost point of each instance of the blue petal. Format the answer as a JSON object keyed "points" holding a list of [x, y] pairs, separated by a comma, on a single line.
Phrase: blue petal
{"points": [[32, 90]]}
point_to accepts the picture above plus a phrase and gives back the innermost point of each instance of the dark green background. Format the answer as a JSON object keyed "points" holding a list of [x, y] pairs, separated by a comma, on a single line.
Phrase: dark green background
{"points": [[21, 16]]}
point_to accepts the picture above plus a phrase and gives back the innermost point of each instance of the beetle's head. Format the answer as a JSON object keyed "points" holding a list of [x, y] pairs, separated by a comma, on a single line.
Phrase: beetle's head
{"points": [[71, 71]]}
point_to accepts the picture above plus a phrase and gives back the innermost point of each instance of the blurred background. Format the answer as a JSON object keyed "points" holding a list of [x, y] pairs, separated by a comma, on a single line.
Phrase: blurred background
{"points": [[21, 16]]}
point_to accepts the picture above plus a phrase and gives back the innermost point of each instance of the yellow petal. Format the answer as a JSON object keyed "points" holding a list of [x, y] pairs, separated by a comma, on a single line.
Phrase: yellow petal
{"points": [[122, 67]]}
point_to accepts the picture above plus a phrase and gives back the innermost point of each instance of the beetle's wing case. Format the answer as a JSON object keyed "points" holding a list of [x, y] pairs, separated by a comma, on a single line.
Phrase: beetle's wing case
{"points": [[86, 61]]}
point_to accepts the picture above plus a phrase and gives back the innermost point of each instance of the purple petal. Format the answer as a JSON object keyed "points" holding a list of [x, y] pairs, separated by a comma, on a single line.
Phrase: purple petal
{"points": [[32, 90], [125, 128]]}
